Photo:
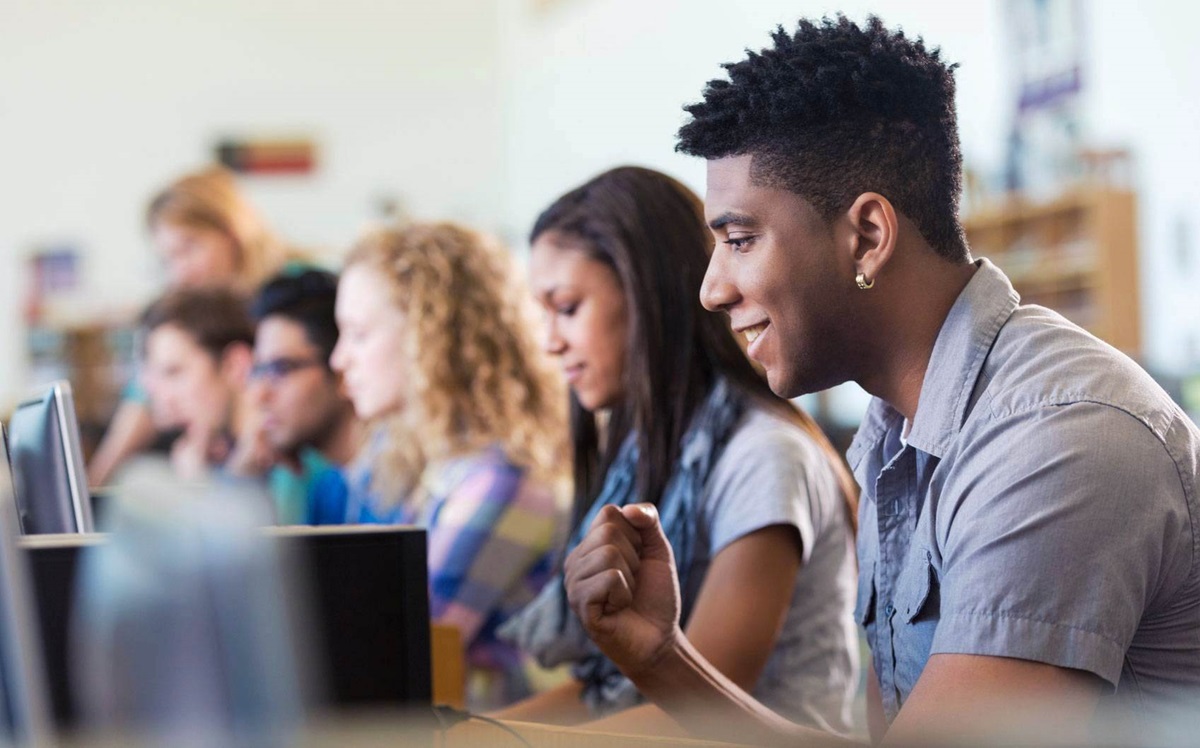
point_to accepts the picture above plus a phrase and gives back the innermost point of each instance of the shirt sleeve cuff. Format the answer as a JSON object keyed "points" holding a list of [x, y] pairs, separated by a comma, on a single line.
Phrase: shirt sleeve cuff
{"points": [[1006, 635], [727, 533]]}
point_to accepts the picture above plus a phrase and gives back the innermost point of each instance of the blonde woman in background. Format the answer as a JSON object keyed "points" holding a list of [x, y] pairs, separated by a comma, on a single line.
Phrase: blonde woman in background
{"points": [[208, 235], [438, 354]]}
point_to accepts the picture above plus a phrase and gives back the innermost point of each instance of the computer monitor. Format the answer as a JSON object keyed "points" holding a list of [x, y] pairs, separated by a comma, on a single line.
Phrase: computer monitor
{"points": [[47, 463], [24, 700], [369, 608]]}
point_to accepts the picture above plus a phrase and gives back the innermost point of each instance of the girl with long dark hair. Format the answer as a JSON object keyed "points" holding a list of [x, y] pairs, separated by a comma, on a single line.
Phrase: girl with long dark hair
{"points": [[666, 408]]}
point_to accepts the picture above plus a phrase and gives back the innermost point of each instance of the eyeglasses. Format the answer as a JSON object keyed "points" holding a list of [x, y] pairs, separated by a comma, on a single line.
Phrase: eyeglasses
{"points": [[276, 369]]}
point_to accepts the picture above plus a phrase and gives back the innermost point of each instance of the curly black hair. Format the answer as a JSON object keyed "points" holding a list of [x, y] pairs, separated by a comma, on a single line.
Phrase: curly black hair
{"points": [[836, 110]]}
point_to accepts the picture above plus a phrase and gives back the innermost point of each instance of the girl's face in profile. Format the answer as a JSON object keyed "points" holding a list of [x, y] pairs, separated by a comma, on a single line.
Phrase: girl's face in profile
{"points": [[370, 352], [587, 326], [195, 256]]}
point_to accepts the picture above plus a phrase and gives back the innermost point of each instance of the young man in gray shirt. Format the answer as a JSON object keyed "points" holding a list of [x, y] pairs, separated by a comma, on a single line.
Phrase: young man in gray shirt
{"points": [[1027, 526]]}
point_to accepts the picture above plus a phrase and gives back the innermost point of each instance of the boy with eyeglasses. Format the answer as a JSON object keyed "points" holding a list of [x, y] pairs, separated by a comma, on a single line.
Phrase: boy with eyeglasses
{"points": [[305, 428]]}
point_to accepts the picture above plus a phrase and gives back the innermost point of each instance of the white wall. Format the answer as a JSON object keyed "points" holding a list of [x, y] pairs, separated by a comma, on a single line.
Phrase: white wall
{"points": [[102, 102], [603, 82], [486, 110], [622, 69], [1144, 93]]}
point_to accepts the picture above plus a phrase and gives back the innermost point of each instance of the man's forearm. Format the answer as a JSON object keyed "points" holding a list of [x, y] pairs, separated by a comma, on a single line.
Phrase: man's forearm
{"points": [[709, 705]]}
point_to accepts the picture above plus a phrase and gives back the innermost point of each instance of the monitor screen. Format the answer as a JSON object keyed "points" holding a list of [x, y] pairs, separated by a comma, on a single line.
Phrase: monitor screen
{"points": [[47, 464], [24, 701], [369, 611]]}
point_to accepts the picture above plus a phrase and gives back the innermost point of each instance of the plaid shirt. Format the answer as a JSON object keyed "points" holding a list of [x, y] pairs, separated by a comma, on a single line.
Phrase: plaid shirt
{"points": [[492, 541]]}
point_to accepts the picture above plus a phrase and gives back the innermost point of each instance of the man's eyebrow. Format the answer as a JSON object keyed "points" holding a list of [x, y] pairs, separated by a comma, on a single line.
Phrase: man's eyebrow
{"points": [[729, 217]]}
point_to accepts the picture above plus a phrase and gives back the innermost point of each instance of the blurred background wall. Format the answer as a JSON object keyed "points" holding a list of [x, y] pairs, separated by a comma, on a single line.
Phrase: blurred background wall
{"points": [[484, 110]]}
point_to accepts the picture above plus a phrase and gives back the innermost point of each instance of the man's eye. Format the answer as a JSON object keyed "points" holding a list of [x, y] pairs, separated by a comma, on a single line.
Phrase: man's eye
{"points": [[740, 243]]}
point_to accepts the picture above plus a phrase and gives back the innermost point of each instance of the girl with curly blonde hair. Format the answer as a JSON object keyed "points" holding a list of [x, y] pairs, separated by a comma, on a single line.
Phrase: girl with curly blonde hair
{"points": [[437, 352]]}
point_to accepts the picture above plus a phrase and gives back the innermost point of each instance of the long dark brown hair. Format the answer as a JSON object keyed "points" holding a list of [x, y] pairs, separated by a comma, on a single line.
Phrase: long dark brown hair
{"points": [[649, 228]]}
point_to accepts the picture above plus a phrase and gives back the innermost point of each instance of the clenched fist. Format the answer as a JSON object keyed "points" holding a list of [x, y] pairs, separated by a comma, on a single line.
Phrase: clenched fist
{"points": [[621, 582]]}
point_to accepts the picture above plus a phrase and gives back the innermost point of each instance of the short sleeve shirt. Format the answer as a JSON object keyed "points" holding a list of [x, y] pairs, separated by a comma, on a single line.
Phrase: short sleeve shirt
{"points": [[1043, 508], [315, 496], [773, 473]]}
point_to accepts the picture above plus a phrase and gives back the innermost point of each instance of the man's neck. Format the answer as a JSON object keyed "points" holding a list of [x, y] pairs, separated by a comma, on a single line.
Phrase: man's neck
{"points": [[342, 441], [908, 336]]}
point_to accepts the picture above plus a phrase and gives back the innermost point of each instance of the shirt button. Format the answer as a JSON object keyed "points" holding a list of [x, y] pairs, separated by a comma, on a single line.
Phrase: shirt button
{"points": [[888, 610]]}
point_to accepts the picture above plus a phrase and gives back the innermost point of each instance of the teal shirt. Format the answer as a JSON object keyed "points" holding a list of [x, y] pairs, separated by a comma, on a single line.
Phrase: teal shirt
{"points": [[314, 496]]}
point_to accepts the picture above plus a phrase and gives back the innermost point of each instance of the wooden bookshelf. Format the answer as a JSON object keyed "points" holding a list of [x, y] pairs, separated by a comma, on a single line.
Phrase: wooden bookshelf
{"points": [[1076, 254], [96, 357]]}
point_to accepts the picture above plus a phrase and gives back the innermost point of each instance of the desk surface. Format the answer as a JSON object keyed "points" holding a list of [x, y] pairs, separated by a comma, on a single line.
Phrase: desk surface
{"points": [[392, 732]]}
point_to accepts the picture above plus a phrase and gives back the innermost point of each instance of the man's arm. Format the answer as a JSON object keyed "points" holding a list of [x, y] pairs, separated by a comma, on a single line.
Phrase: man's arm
{"points": [[621, 582], [960, 698], [130, 432]]}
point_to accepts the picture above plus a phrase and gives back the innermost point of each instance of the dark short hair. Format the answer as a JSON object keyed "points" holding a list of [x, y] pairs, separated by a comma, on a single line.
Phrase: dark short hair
{"points": [[835, 110], [215, 317], [307, 298]]}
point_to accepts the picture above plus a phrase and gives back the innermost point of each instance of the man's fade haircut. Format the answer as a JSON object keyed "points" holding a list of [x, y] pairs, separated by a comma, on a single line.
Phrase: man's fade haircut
{"points": [[307, 298], [835, 110]]}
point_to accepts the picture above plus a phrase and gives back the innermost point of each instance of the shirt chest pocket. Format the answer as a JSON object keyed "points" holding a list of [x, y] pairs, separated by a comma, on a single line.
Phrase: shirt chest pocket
{"points": [[917, 604], [864, 606], [917, 592]]}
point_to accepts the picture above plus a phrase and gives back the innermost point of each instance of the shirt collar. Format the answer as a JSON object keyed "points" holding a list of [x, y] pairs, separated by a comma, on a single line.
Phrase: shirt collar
{"points": [[962, 346]]}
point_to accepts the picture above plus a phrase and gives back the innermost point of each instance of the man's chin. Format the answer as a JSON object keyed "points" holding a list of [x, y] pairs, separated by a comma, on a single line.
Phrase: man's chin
{"points": [[783, 385], [790, 385], [281, 445], [288, 456]]}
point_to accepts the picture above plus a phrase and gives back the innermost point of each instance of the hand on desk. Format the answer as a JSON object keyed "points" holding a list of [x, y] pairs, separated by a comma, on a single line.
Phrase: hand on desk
{"points": [[621, 582]]}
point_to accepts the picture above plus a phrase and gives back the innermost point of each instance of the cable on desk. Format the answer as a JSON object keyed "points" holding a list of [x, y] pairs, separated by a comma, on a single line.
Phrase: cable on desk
{"points": [[448, 716]]}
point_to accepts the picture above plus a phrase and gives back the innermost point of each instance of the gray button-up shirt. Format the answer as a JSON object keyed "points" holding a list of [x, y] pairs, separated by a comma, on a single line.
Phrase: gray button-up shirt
{"points": [[1043, 508]]}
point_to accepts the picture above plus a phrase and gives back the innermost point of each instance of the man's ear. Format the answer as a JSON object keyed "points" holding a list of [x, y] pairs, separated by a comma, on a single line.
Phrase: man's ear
{"points": [[875, 230], [236, 361]]}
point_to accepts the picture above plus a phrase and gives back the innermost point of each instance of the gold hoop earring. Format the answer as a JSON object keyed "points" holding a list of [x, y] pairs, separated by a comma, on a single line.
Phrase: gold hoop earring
{"points": [[861, 280]]}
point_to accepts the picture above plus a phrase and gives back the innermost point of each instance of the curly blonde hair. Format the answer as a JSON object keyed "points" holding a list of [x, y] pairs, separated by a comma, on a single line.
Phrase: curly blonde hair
{"points": [[476, 376]]}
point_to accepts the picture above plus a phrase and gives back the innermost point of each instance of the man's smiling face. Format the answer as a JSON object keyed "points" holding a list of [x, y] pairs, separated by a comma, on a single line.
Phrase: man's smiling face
{"points": [[775, 271]]}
